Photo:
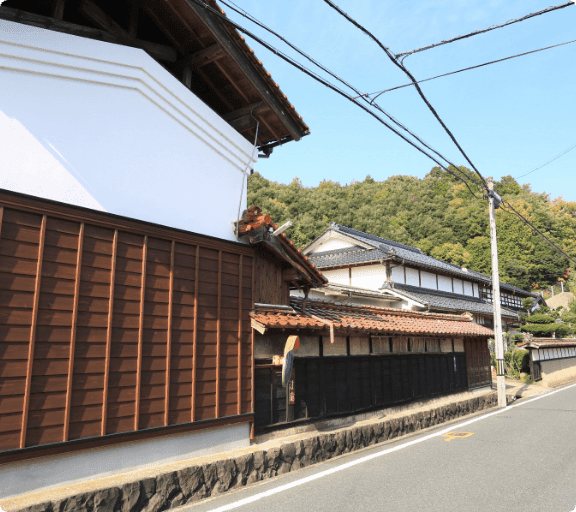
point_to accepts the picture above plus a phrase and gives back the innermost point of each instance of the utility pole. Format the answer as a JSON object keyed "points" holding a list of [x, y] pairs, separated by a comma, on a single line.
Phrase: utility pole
{"points": [[494, 201]]}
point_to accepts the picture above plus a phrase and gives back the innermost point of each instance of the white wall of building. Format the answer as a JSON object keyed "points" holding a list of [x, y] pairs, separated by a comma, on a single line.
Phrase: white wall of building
{"points": [[445, 283], [339, 276], [398, 274], [428, 280], [370, 277], [104, 126], [333, 244], [58, 470], [412, 276]]}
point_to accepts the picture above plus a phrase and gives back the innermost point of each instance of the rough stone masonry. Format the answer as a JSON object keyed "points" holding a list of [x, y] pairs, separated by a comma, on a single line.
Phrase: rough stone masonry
{"points": [[195, 483]]}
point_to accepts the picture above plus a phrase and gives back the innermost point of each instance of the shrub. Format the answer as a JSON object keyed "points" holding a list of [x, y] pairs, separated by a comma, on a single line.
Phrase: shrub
{"points": [[522, 360], [540, 319]]}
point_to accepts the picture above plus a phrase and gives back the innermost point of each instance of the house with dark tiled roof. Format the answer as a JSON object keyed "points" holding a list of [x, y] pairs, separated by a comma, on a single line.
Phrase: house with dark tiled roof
{"points": [[366, 269]]}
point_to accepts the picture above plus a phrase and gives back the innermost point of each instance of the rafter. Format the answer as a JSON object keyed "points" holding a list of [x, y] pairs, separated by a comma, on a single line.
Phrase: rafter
{"points": [[157, 51]]}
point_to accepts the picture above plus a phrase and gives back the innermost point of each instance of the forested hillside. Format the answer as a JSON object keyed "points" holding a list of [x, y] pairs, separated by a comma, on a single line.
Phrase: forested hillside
{"points": [[437, 214]]}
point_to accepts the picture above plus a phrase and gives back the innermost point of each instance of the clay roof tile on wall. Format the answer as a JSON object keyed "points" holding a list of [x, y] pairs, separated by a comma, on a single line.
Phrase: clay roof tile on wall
{"points": [[314, 314]]}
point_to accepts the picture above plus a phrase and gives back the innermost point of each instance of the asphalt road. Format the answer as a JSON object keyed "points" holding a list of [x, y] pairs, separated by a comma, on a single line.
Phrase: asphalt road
{"points": [[522, 458]]}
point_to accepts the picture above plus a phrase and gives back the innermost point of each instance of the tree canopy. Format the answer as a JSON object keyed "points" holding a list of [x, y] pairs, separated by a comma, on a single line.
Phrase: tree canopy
{"points": [[438, 215]]}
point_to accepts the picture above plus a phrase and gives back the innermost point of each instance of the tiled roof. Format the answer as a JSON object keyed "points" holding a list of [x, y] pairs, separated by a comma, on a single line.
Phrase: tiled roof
{"points": [[388, 249], [437, 299], [317, 315], [548, 343]]}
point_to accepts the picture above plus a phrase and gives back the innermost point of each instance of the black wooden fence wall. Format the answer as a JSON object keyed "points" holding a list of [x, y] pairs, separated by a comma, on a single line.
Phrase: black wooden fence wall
{"points": [[328, 386]]}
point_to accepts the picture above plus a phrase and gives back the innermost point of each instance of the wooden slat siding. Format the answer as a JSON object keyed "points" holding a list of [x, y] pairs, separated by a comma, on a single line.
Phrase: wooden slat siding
{"points": [[140, 334], [218, 335], [109, 334], [73, 334], [195, 337], [240, 334], [1, 218], [169, 334], [32, 334]]}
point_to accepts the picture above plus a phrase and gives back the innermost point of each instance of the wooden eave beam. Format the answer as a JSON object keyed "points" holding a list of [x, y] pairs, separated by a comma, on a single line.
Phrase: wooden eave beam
{"points": [[254, 109], [157, 51], [201, 57], [223, 37]]}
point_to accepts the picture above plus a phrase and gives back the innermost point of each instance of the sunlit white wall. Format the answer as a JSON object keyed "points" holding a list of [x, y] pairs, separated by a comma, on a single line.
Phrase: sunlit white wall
{"points": [[106, 127]]}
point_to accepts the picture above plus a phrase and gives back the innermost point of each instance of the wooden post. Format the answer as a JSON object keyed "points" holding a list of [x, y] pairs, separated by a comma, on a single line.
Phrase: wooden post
{"points": [[109, 334], [1, 217], [240, 334], [58, 11], [169, 335], [140, 335], [218, 334], [33, 334], [194, 337], [73, 334]]}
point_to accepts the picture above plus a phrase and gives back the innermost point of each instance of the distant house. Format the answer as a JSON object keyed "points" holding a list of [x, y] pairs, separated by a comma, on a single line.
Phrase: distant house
{"points": [[365, 269], [552, 360]]}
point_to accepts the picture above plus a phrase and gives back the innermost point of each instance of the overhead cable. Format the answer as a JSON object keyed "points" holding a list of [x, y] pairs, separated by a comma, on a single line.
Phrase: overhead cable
{"points": [[467, 69], [331, 86], [549, 161], [488, 29], [528, 223], [394, 59], [248, 16]]}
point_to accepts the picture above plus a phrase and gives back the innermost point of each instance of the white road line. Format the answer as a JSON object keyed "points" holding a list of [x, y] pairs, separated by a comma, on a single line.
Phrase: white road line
{"points": [[347, 465]]}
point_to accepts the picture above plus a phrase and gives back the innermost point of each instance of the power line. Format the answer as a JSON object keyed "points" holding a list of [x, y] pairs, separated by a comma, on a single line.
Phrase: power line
{"points": [[248, 16], [527, 222], [331, 86], [549, 161], [394, 59], [339, 91], [378, 93], [488, 29]]}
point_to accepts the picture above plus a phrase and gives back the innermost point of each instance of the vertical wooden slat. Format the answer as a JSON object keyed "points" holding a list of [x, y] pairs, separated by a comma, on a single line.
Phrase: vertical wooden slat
{"points": [[1, 217], [218, 334], [33, 334], [195, 336], [140, 334], [109, 333], [252, 347], [169, 334], [240, 335], [73, 333]]}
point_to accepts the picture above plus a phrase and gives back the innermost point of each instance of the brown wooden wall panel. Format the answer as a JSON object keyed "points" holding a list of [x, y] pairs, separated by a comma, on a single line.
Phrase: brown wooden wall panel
{"points": [[109, 325]]}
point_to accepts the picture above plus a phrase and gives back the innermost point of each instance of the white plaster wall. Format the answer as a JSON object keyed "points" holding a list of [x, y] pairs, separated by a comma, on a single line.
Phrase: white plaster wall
{"points": [[106, 127], [57, 470], [332, 245], [371, 277], [412, 277], [458, 286], [445, 283], [428, 279], [467, 288], [398, 274], [340, 276]]}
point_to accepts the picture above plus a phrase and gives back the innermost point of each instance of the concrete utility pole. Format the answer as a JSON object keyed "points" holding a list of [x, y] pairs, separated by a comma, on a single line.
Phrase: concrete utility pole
{"points": [[494, 201]]}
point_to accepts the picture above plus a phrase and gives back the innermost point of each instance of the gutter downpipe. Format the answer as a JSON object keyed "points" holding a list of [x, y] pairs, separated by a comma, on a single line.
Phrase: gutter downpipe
{"points": [[326, 322]]}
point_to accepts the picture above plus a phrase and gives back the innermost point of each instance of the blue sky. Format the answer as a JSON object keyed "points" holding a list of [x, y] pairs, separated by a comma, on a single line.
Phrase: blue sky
{"points": [[509, 117]]}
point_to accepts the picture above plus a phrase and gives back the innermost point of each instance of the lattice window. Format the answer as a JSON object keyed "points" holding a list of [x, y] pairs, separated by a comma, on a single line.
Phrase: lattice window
{"points": [[399, 345], [417, 345], [380, 345], [432, 345]]}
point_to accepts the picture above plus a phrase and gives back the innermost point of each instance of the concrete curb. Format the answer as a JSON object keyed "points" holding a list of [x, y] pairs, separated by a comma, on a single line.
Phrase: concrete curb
{"points": [[189, 485]]}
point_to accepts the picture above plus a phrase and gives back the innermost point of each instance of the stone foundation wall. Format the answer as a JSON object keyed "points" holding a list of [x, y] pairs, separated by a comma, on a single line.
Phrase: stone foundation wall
{"points": [[558, 372], [192, 484]]}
